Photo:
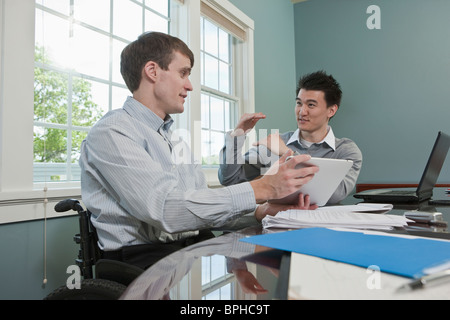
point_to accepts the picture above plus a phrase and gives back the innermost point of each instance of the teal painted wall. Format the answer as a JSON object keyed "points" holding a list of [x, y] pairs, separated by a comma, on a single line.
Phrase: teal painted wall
{"points": [[395, 80], [22, 257], [275, 77]]}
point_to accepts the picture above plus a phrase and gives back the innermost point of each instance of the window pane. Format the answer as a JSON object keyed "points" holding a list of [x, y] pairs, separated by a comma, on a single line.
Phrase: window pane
{"points": [[162, 6], [127, 19], [117, 47], [206, 147], [205, 111], [225, 292], [211, 38], [206, 270], [50, 95], [224, 77], [119, 95], [215, 295], [224, 50], [212, 143], [214, 273], [228, 118], [52, 33], [217, 141], [219, 267], [153, 22], [85, 112], [211, 72], [77, 139], [50, 145], [90, 52], [100, 96], [217, 121], [75, 172], [95, 13], [46, 172]]}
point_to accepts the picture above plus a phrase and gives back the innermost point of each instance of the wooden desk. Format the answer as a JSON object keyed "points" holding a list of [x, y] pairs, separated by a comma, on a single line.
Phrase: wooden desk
{"points": [[181, 275]]}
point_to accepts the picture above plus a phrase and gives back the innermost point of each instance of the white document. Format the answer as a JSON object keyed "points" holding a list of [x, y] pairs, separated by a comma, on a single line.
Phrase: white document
{"points": [[361, 216]]}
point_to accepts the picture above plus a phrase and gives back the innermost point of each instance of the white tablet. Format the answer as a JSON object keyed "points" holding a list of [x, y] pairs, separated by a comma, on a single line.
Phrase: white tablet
{"points": [[324, 183]]}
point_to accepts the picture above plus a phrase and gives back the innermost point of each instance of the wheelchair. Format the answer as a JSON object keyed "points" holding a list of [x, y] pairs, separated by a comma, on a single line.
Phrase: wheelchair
{"points": [[102, 279]]}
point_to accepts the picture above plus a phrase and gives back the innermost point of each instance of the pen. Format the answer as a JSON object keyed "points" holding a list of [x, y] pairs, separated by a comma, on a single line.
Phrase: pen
{"points": [[427, 280]]}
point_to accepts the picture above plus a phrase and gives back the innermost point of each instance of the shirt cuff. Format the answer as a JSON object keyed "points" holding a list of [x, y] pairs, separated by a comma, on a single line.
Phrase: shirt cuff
{"points": [[232, 140], [242, 198]]}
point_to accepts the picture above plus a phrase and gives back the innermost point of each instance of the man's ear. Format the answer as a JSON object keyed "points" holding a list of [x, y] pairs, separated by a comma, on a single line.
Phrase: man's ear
{"points": [[150, 70], [332, 110]]}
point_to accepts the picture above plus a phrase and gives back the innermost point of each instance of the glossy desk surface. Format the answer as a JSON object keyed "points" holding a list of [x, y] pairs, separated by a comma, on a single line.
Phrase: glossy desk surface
{"points": [[282, 275]]}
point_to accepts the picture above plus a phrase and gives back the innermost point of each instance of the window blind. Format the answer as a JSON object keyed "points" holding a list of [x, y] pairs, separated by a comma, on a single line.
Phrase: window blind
{"points": [[226, 22]]}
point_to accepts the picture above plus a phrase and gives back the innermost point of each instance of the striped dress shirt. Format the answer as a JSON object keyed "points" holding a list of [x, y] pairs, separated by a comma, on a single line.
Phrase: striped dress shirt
{"points": [[142, 185]]}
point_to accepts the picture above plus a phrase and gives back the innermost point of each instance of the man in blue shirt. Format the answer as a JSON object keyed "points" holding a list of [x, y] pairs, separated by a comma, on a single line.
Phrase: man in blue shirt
{"points": [[146, 197]]}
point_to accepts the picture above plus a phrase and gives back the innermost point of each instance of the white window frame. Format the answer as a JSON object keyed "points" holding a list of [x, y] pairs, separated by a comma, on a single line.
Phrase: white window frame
{"points": [[20, 198], [70, 170]]}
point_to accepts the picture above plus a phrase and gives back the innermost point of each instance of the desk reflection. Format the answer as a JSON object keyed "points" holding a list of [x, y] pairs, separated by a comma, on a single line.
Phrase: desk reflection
{"points": [[156, 282]]}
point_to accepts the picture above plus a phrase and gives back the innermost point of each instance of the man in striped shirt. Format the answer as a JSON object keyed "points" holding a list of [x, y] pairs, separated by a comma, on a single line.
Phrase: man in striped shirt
{"points": [[147, 195]]}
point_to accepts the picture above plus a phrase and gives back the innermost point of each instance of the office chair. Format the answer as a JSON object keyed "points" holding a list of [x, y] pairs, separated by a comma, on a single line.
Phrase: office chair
{"points": [[103, 279]]}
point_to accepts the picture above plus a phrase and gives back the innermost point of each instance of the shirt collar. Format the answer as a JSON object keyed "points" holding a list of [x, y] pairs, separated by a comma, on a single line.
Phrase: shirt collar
{"points": [[139, 111], [329, 138]]}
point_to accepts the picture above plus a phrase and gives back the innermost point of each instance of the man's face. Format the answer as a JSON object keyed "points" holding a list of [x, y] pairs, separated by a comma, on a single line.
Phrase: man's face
{"points": [[311, 110], [173, 85]]}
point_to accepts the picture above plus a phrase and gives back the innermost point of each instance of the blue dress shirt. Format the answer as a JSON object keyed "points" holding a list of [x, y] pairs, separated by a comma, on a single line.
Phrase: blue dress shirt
{"points": [[142, 185]]}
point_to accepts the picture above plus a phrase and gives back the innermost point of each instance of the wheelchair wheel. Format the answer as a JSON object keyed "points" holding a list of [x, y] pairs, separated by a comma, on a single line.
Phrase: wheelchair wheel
{"points": [[91, 289]]}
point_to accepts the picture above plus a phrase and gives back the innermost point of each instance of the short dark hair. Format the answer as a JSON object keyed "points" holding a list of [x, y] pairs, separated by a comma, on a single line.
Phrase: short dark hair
{"points": [[150, 46], [320, 81]]}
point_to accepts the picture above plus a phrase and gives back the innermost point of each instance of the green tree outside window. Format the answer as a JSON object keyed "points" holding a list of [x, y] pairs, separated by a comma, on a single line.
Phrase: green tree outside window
{"points": [[51, 105]]}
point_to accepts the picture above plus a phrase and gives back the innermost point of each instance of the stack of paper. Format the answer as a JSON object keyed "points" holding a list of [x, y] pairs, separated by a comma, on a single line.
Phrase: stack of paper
{"points": [[355, 216]]}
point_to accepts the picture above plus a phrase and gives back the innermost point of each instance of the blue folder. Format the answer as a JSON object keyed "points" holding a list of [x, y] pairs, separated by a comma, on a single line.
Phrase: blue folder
{"points": [[400, 256]]}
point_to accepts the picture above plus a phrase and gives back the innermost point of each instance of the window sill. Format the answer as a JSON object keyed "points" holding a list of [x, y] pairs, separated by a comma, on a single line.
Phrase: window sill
{"points": [[38, 195], [20, 206]]}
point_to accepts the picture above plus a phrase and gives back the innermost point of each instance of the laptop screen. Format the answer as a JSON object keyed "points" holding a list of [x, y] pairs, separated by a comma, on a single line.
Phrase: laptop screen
{"points": [[435, 163]]}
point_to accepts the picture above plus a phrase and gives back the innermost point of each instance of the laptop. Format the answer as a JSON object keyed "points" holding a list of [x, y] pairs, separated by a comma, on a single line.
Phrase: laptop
{"points": [[429, 178]]}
